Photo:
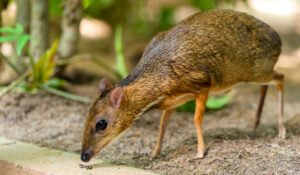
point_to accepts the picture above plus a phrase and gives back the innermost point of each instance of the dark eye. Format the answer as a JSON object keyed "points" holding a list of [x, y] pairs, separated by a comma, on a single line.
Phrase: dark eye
{"points": [[101, 125]]}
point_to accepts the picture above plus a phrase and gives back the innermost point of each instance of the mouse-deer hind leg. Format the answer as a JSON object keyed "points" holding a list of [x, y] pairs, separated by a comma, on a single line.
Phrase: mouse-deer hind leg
{"points": [[279, 82], [165, 118], [278, 79], [200, 108], [263, 92]]}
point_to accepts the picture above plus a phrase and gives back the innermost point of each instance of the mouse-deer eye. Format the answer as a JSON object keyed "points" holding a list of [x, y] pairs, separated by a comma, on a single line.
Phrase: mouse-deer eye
{"points": [[101, 125]]}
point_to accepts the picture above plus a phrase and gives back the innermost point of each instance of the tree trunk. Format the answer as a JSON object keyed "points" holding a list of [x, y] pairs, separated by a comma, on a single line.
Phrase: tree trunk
{"points": [[23, 18], [1, 8], [70, 26], [39, 28], [70, 31], [1, 59], [23, 14], [3, 5]]}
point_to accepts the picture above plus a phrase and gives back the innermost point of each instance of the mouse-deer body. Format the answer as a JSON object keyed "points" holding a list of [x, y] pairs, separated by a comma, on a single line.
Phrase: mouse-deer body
{"points": [[207, 52]]}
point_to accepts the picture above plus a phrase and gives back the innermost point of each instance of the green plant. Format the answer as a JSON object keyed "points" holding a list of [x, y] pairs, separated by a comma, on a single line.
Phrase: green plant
{"points": [[40, 77], [41, 72], [44, 67], [204, 4], [120, 61], [220, 102], [12, 34], [166, 18], [213, 103], [16, 33]]}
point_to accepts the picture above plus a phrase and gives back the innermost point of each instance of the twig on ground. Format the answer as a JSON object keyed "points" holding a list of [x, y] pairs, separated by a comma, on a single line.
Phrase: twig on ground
{"points": [[87, 57], [10, 64], [64, 94], [13, 84]]}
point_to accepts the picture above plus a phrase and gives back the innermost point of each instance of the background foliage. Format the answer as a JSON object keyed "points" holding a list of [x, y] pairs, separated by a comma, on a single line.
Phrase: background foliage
{"points": [[125, 17]]}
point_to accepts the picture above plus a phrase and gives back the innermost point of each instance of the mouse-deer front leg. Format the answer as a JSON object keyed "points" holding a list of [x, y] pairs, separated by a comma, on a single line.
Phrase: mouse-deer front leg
{"points": [[199, 112], [165, 118]]}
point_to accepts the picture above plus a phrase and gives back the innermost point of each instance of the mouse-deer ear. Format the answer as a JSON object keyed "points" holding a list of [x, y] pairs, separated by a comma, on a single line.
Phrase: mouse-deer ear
{"points": [[116, 97], [104, 84]]}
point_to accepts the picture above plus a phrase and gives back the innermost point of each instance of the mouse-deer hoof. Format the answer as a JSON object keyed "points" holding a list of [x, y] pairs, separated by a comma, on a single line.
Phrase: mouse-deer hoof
{"points": [[155, 154], [200, 154], [282, 132]]}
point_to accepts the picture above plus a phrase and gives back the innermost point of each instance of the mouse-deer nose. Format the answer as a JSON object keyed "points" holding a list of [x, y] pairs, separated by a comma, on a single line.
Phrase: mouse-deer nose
{"points": [[86, 155]]}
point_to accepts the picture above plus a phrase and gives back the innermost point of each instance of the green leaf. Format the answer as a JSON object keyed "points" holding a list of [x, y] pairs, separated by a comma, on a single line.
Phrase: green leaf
{"points": [[55, 83], [25, 87], [8, 38], [120, 63], [87, 3], [218, 103], [187, 107], [22, 42], [39, 69], [45, 65], [55, 8], [49, 64], [204, 4], [34, 70], [8, 30], [212, 103], [166, 18], [19, 28], [92, 7]]}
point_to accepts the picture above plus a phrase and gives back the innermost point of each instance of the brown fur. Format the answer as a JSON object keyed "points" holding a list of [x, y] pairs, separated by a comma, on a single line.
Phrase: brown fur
{"points": [[209, 51]]}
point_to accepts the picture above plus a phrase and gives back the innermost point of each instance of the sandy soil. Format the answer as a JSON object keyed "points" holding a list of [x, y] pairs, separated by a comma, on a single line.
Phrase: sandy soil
{"points": [[55, 122]]}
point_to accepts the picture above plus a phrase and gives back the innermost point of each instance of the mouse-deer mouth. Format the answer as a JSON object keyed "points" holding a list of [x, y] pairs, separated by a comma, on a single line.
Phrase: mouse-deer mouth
{"points": [[87, 153]]}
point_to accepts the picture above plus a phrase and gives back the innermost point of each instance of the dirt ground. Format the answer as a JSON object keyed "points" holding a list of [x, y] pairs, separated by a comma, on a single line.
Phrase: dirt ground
{"points": [[233, 148]]}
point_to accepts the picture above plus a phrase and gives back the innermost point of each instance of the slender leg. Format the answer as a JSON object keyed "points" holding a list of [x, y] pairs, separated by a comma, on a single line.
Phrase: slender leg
{"points": [[200, 108], [279, 81], [263, 91], [165, 118]]}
